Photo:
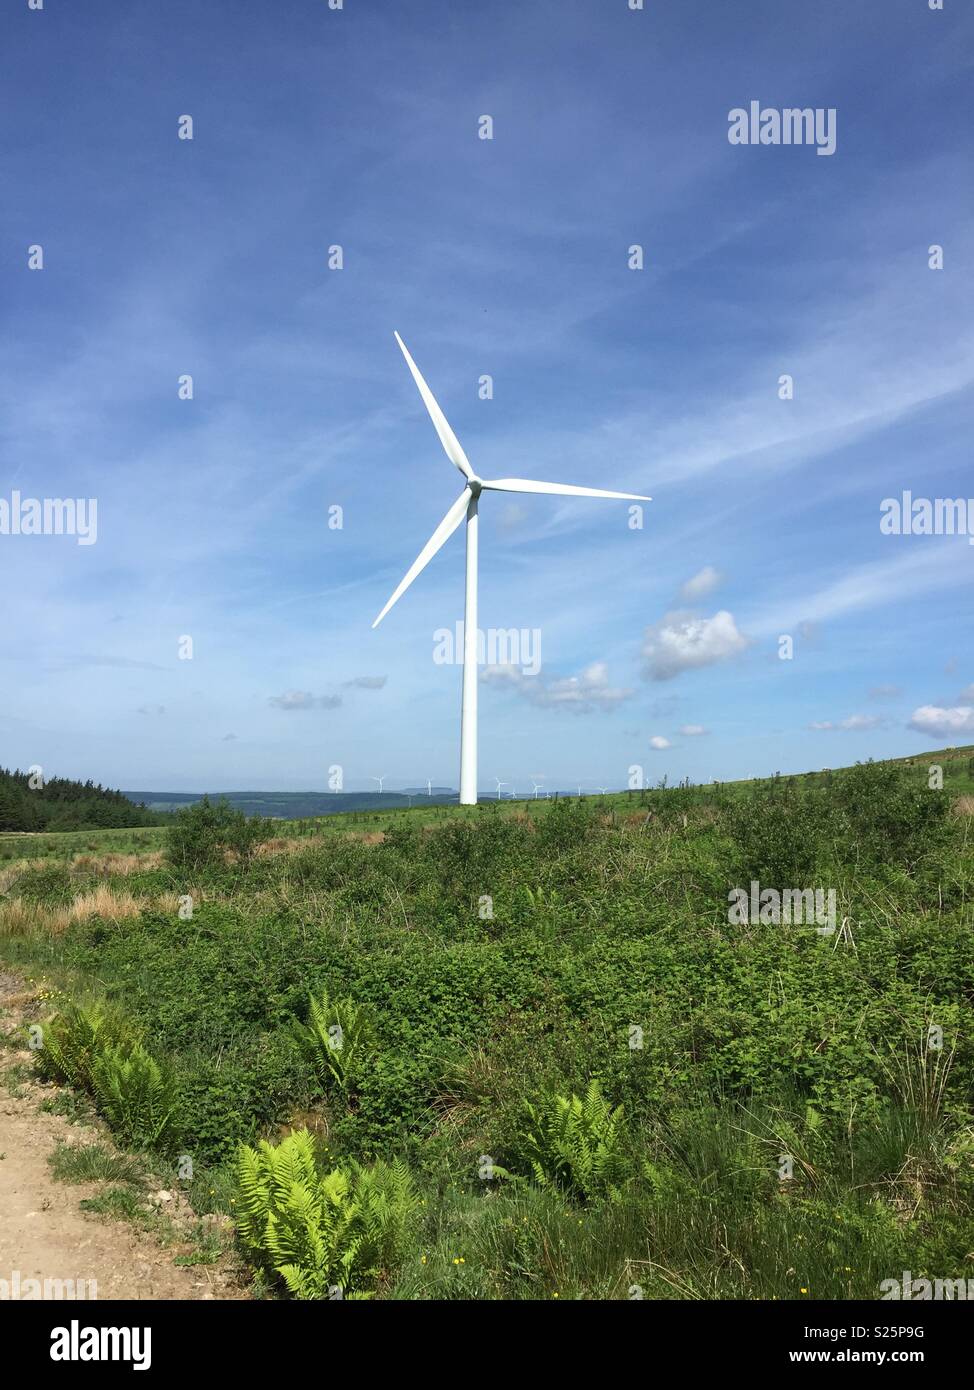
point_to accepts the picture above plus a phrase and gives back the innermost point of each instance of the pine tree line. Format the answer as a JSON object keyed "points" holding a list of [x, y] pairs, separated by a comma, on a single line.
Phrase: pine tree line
{"points": [[64, 804]]}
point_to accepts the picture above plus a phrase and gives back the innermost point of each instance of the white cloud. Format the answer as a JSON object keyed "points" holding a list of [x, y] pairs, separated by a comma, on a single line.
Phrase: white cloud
{"points": [[367, 682], [693, 730], [581, 694], [659, 743], [303, 699], [940, 722], [703, 582], [854, 723], [682, 642]]}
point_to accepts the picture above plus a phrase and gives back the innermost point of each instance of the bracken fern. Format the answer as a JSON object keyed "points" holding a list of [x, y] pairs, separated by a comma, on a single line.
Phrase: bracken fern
{"points": [[325, 1234]]}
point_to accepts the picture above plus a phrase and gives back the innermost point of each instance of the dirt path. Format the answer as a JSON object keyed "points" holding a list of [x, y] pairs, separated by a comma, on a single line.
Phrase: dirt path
{"points": [[43, 1232]]}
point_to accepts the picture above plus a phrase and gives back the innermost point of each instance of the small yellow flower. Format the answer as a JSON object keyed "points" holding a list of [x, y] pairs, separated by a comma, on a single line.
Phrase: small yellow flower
{"points": [[804, 1291], [423, 1261]]}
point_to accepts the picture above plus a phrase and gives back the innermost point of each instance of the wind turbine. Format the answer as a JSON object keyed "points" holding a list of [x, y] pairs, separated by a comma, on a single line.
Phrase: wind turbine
{"points": [[499, 785], [429, 787], [380, 780], [466, 506], [537, 787]]}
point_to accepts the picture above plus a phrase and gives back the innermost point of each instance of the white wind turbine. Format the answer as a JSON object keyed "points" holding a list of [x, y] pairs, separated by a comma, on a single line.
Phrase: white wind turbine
{"points": [[466, 506], [499, 785], [380, 780]]}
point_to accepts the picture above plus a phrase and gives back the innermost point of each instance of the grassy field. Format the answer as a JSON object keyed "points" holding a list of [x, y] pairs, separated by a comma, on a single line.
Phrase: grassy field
{"points": [[529, 1049]]}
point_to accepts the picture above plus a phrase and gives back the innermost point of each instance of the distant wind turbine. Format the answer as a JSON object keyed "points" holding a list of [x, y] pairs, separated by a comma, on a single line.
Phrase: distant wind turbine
{"points": [[499, 785], [429, 787], [380, 780], [537, 787], [466, 506]]}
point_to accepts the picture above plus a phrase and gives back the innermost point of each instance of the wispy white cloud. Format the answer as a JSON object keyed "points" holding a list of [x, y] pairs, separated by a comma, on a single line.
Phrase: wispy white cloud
{"points": [[854, 723], [303, 699], [582, 694], [700, 585]]}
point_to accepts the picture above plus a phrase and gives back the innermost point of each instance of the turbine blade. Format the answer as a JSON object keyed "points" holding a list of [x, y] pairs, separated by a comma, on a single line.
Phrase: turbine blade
{"points": [[440, 423], [439, 537], [560, 489]]}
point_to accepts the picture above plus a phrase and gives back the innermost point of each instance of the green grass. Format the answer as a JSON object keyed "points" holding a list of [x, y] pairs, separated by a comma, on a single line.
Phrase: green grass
{"points": [[64, 844], [509, 952], [94, 1163]]}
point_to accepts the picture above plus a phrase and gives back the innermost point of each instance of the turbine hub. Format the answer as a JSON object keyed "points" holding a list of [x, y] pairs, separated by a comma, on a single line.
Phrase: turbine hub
{"points": [[475, 486]]}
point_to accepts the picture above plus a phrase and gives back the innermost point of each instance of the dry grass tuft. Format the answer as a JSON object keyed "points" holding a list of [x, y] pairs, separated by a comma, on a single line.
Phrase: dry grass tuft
{"points": [[964, 806], [19, 918], [118, 864]]}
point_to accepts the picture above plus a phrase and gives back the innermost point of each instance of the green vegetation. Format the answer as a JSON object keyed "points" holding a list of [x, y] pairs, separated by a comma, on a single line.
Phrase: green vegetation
{"points": [[29, 803], [204, 834], [594, 1078], [322, 1232]]}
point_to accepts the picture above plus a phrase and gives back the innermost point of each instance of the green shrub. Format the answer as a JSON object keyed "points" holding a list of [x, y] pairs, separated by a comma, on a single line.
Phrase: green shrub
{"points": [[892, 818], [73, 1039], [94, 1050], [575, 1143], [328, 1233], [335, 1040], [135, 1096], [202, 834]]}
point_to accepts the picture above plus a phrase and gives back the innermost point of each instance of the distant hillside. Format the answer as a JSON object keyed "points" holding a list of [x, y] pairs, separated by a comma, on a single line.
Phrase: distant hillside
{"points": [[63, 804], [299, 805]]}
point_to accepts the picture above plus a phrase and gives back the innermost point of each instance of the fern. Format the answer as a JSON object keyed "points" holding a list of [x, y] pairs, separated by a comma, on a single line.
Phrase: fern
{"points": [[576, 1144], [336, 1040], [322, 1232], [72, 1041], [134, 1095]]}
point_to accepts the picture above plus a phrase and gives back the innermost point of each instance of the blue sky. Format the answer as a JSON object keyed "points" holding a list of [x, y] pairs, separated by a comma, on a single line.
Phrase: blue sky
{"points": [[358, 127]]}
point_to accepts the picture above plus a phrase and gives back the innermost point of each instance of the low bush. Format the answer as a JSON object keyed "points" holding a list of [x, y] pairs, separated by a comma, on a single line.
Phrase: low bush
{"points": [[335, 1040], [575, 1143], [325, 1233], [204, 833]]}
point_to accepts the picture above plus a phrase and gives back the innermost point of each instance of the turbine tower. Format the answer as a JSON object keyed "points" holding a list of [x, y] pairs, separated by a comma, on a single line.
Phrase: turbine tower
{"points": [[466, 507], [380, 780]]}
